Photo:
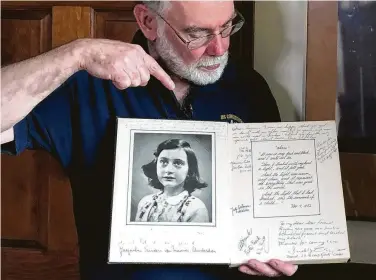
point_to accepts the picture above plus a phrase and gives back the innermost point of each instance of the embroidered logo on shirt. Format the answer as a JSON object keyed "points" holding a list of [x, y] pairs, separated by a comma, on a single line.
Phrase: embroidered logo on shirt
{"points": [[231, 118]]}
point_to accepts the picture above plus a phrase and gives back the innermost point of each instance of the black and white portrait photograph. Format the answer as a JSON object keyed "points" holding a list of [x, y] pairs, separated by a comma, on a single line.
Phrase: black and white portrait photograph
{"points": [[171, 178]]}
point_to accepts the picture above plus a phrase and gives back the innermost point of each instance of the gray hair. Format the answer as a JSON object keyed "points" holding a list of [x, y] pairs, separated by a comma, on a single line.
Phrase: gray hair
{"points": [[160, 7]]}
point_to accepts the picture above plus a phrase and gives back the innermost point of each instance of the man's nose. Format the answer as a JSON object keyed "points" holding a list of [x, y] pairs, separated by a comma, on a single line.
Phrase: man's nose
{"points": [[217, 46]]}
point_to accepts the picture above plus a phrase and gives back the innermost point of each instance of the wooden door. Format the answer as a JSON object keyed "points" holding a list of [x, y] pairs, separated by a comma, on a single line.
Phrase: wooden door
{"points": [[39, 239], [38, 232]]}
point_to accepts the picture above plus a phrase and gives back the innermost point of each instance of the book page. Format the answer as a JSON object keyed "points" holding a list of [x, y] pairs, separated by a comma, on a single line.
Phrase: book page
{"points": [[170, 195], [287, 199]]}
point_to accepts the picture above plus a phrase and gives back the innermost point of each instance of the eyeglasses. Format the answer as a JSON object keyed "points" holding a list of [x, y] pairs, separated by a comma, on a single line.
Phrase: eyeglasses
{"points": [[204, 40]]}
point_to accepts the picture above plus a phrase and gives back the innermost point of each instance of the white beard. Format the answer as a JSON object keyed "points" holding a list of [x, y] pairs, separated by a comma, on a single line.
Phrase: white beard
{"points": [[190, 72]]}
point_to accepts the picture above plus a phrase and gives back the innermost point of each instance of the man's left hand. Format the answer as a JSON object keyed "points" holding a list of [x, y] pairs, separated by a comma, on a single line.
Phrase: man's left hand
{"points": [[272, 268]]}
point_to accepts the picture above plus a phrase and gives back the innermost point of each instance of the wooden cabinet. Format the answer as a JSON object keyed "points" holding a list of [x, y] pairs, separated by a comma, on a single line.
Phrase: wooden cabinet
{"points": [[39, 239]]}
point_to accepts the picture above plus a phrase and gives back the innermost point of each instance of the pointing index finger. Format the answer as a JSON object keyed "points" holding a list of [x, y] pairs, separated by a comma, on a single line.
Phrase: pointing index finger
{"points": [[157, 71]]}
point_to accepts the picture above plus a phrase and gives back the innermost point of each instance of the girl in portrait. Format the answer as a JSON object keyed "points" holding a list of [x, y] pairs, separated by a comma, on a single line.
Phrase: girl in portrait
{"points": [[174, 172]]}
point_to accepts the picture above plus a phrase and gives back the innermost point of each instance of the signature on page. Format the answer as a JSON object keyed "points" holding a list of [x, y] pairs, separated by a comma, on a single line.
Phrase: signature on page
{"points": [[241, 208], [257, 244]]}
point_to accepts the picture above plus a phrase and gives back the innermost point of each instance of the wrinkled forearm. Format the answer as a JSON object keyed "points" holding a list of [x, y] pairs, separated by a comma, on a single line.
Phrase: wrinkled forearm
{"points": [[25, 84]]}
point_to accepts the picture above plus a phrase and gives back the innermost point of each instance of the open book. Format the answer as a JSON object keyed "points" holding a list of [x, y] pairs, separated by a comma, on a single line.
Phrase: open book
{"points": [[220, 193]]}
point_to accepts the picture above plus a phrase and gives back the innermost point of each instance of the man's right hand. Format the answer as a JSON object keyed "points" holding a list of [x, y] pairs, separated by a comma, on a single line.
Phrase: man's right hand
{"points": [[125, 64], [26, 83]]}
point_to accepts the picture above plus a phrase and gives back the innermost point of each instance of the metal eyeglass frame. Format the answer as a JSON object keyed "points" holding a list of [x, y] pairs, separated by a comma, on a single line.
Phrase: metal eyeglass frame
{"points": [[239, 25]]}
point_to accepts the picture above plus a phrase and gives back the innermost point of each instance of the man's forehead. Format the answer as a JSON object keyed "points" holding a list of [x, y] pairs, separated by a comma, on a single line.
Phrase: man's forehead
{"points": [[208, 14]]}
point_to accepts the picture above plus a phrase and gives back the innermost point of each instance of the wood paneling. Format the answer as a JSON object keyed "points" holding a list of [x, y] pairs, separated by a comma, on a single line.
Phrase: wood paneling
{"points": [[24, 34], [70, 23], [39, 239], [38, 230], [23, 206], [115, 25], [321, 81], [62, 235], [22, 264], [359, 184], [27, 5]]}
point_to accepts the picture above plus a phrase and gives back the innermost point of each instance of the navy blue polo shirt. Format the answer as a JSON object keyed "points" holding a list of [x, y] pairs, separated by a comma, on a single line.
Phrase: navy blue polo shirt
{"points": [[77, 123]]}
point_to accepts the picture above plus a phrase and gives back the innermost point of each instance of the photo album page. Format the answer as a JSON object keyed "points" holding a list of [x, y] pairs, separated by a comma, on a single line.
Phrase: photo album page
{"points": [[220, 193], [287, 199], [171, 192]]}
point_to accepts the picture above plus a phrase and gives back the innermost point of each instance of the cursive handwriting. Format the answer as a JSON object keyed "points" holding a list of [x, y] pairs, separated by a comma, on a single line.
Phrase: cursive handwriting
{"points": [[323, 132], [325, 149], [171, 125], [243, 160], [241, 208], [140, 246], [315, 252], [310, 239], [250, 243], [285, 177], [128, 249], [282, 131]]}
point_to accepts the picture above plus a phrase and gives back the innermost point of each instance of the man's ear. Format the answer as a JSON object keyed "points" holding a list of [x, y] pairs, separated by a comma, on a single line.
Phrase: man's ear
{"points": [[146, 21]]}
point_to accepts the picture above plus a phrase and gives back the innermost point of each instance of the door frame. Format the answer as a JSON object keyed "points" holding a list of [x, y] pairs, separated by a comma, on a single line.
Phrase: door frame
{"points": [[320, 104]]}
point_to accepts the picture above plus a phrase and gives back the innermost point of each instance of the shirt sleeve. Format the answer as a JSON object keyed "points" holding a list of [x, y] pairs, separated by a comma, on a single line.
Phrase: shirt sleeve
{"points": [[48, 126], [20, 142]]}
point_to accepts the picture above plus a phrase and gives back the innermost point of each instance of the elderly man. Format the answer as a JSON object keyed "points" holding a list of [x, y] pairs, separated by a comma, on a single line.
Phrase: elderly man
{"points": [[66, 102]]}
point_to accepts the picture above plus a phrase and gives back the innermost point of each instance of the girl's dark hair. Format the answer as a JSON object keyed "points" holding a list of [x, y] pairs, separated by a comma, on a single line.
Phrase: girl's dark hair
{"points": [[192, 182]]}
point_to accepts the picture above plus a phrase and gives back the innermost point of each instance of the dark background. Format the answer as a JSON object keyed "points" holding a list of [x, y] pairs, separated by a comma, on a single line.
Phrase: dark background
{"points": [[357, 126]]}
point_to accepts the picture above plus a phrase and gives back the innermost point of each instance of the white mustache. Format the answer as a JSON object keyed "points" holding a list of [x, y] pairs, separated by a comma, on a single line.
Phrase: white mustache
{"points": [[209, 61]]}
